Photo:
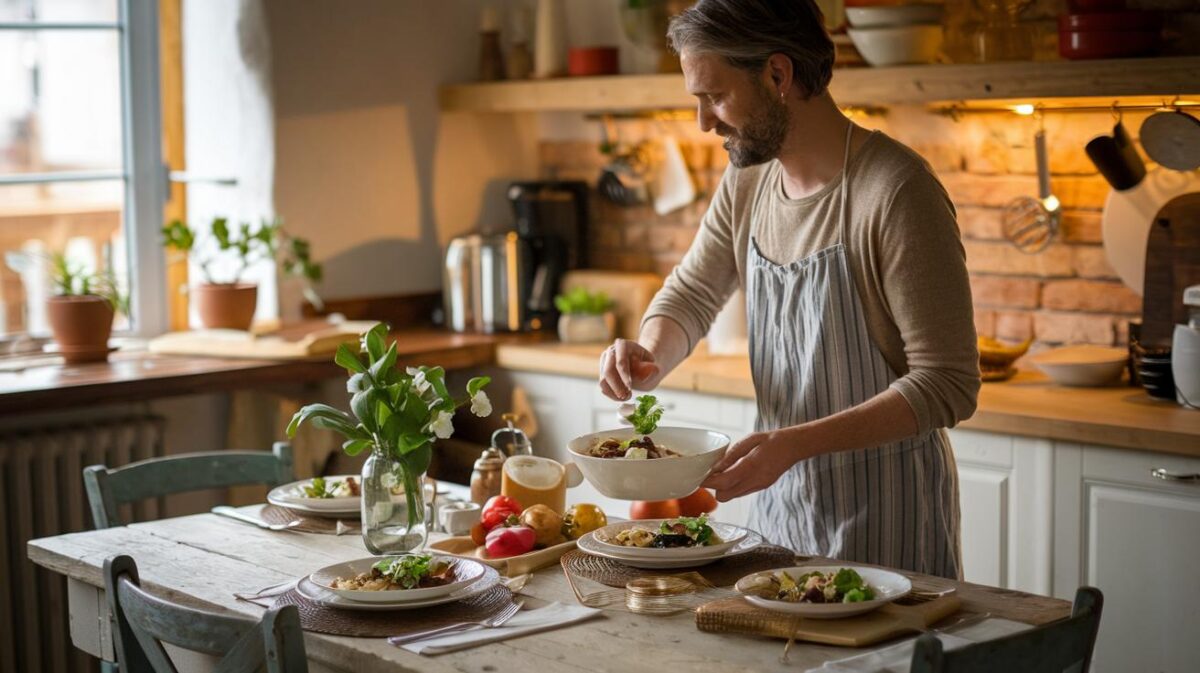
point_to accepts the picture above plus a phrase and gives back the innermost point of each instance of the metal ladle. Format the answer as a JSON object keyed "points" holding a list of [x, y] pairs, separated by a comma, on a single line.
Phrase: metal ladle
{"points": [[1030, 224]]}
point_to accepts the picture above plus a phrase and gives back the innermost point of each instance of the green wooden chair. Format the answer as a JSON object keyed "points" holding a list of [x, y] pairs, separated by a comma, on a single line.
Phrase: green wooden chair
{"points": [[1065, 645], [109, 488], [143, 622]]}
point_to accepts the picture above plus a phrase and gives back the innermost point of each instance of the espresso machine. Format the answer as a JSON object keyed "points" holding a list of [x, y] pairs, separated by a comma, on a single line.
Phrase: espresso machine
{"points": [[506, 282]]}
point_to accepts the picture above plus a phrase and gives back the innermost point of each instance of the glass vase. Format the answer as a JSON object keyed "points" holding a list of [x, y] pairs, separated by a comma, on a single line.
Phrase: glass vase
{"points": [[393, 505]]}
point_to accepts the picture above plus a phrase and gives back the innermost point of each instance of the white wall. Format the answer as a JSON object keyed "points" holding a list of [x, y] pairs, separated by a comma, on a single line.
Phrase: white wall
{"points": [[367, 166]]}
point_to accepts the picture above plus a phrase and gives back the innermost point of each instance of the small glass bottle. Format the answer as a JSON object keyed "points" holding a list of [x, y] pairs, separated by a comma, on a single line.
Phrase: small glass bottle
{"points": [[491, 58]]}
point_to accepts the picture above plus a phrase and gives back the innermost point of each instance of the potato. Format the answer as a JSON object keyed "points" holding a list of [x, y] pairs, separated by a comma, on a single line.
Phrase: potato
{"points": [[546, 525]]}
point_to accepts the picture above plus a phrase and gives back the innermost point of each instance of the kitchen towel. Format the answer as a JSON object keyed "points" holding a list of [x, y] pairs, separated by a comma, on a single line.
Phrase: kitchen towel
{"points": [[897, 658], [524, 623]]}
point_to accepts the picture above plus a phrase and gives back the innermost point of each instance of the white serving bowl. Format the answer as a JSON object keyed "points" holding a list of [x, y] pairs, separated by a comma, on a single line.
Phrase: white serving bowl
{"points": [[895, 45], [1082, 365], [658, 479], [893, 15]]}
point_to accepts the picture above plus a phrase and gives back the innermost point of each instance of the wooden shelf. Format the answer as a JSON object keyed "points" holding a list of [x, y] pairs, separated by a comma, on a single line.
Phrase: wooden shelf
{"points": [[853, 86]]}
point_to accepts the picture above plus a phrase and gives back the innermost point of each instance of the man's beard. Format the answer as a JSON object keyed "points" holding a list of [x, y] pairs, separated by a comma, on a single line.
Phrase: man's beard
{"points": [[760, 138]]}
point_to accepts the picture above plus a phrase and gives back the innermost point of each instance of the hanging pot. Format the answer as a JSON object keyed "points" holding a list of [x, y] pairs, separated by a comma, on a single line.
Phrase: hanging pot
{"points": [[1172, 139]]}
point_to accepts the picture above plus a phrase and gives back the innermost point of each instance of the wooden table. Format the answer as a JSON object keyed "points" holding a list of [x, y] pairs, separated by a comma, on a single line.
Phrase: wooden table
{"points": [[203, 559]]}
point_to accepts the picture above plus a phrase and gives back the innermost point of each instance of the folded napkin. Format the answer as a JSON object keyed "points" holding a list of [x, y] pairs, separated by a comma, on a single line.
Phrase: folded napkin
{"points": [[523, 623], [898, 658]]}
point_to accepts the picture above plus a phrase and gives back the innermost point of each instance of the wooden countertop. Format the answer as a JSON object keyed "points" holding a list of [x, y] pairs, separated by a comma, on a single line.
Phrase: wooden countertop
{"points": [[1029, 404], [48, 385]]}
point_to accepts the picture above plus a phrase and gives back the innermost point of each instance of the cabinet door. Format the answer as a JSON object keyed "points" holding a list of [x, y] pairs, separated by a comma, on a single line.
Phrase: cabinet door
{"points": [[983, 497], [561, 406], [1137, 539]]}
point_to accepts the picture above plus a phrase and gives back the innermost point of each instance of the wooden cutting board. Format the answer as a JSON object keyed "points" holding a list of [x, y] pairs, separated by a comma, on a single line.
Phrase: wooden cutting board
{"points": [[294, 342], [735, 615], [509, 567]]}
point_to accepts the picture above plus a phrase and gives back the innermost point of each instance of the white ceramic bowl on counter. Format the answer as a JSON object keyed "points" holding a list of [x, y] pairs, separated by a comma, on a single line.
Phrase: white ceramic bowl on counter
{"points": [[896, 45], [657, 479], [893, 15], [1082, 366]]}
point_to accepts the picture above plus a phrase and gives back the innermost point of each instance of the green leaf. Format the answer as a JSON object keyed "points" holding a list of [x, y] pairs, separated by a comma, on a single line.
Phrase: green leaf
{"points": [[382, 411], [437, 380], [220, 231], [362, 404], [374, 341], [325, 417], [353, 447], [579, 301], [418, 459], [348, 359], [382, 367], [476, 384], [847, 579]]}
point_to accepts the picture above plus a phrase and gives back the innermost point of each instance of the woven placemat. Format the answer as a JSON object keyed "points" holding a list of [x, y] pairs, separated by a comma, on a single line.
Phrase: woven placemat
{"points": [[309, 523], [379, 624], [723, 573]]}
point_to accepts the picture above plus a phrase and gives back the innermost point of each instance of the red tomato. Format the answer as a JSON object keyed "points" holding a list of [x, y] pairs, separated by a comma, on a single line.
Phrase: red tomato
{"points": [[700, 502], [497, 510], [654, 509], [511, 541]]}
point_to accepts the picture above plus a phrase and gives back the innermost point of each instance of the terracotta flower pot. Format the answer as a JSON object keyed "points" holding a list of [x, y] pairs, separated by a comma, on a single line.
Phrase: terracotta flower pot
{"points": [[81, 325], [226, 306]]}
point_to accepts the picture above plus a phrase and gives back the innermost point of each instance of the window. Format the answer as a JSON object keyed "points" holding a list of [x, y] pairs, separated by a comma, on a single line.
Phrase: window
{"points": [[81, 167]]}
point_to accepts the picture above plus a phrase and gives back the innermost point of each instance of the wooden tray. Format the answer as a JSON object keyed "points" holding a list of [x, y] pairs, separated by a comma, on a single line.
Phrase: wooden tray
{"points": [[510, 566], [735, 615]]}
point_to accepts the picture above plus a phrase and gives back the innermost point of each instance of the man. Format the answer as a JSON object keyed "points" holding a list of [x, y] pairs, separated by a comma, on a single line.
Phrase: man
{"points": [[862, 342]]}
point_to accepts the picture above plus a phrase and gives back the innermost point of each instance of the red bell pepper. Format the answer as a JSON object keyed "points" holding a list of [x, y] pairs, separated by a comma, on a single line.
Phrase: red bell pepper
{"points": [[510, 541]]}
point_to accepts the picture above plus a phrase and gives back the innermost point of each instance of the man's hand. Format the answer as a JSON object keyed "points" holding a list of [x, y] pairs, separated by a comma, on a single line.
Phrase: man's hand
{"points": [[756, 461], [626, 366]]}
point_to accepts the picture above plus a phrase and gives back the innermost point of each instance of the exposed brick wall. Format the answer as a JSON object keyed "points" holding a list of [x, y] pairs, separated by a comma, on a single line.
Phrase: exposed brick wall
{"points": [[1066, 294]]}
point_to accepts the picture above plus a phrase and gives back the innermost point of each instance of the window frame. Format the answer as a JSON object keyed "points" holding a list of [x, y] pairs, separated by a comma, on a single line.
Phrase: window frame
{"points": [[142, 171]]}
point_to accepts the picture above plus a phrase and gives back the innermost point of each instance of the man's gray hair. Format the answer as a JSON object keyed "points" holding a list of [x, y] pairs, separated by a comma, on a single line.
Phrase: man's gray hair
{"points": [[747, 32]]}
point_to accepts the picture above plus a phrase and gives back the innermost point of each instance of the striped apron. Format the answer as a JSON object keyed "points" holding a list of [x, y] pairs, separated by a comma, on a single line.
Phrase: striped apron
{"points": [[894, 505]]}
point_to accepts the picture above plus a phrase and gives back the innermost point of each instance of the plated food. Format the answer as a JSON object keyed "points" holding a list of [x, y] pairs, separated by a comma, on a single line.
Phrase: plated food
{"points": [[398, 579], [604, 543], [681, 532], [401, 573], [823, 592], [333, 487]]}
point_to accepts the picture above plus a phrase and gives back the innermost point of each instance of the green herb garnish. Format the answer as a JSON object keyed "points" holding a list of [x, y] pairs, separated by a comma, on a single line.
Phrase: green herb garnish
{"points": [[647, 415], [851, 586], [318, 489], [697, 528], [407, 571]]}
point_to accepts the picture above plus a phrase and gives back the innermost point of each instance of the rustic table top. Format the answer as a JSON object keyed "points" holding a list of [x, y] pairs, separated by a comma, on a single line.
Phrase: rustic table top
{"points": [[203, 559]]}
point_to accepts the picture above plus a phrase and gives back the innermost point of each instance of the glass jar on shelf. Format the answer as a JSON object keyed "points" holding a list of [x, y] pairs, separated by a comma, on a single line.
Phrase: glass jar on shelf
{"points": [[1001, 36]]}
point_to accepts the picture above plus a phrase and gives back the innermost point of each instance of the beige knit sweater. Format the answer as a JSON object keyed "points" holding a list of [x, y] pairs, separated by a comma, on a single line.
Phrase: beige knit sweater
{"points": [[904, 252]]}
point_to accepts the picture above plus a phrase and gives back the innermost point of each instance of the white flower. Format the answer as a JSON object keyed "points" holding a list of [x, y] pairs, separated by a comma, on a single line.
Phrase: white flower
{"points": [[418, 378], [480, 404], [441, 425], [388, 480]]}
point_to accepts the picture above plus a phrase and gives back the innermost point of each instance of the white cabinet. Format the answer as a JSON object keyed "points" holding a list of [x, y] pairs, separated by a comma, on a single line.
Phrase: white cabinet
{"points": [[1006, 500], [1136, 538]]}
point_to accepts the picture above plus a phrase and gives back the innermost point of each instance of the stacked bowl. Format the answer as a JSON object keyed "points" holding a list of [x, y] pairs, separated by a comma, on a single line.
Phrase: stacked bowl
{"points": [[895, 34]]}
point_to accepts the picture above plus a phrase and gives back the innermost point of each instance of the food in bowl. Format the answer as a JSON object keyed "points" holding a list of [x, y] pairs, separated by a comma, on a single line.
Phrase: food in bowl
{"points": [[678, 477], [843, 586], [414, 571], [630, 449], [675, 533]]}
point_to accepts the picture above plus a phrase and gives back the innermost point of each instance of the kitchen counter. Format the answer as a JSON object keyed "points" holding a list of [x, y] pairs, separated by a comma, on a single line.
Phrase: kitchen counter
{"points": [[41, 383], [1028, 404]]}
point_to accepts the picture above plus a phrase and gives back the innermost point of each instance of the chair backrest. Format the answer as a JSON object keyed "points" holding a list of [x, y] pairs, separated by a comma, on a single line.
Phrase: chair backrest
{"points": [[1065, 645], [108, 489], [143, 622]]}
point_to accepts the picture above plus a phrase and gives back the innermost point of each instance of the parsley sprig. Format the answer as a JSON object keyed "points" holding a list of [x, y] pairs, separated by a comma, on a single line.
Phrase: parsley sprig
{"points": [[646, 416], [406, 571]]}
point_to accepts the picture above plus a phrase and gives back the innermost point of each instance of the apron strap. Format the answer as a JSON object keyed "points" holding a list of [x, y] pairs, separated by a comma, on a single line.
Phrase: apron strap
{"points": [[844, 217]]}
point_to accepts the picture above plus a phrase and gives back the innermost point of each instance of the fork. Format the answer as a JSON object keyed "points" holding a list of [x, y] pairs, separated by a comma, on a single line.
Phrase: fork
{"points": [[498, 619]]}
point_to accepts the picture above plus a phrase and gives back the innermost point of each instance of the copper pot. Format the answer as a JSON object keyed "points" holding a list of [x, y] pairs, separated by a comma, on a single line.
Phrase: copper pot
{"points": [[81, 325], [227, 305]]}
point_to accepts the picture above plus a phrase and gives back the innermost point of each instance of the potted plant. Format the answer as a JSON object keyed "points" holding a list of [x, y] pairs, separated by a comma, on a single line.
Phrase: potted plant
{"points": [[586, 317], [81, 311], [397, 415], [231, 304]]}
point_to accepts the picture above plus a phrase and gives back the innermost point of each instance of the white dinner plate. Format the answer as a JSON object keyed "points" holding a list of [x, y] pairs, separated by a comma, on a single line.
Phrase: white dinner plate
{"points": [[292, 496], [729, 534], [327, 598], [466, 571], [888, 587], [590, 545]]}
